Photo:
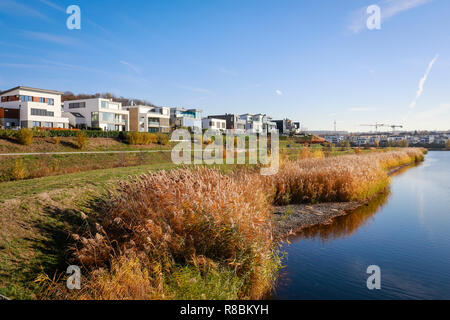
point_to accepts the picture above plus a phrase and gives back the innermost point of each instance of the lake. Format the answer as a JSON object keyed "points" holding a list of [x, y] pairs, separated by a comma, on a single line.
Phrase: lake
{"points": [[405, 232]]}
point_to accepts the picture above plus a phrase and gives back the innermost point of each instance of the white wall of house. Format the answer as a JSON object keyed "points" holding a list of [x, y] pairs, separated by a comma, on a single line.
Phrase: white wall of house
{"points": [[214, 124], [46, 112], [100, 113]]}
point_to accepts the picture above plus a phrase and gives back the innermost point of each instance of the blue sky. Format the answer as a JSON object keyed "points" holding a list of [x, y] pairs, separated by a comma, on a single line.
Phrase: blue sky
{"points": [[312, 61]]}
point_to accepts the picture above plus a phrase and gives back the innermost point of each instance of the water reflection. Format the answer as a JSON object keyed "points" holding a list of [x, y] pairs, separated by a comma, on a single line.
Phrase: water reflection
{"points": [[344, 226]]}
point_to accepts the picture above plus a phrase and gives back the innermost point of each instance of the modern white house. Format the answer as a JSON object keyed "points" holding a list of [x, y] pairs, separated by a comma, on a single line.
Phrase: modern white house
{"points": [[214, 124], [27, 107], [253, 123], [100, 113], [189, 118], [149, 118]]}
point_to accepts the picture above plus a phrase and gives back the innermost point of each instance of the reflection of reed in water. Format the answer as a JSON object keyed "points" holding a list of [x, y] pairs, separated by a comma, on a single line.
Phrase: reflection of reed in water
{"points": [[345, 226]]}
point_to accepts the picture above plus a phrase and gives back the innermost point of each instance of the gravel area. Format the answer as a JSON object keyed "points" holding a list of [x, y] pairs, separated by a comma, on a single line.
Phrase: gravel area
{"points": [[292, 218]]}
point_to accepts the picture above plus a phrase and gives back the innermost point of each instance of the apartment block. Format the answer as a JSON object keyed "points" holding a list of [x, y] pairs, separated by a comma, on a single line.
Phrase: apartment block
{"points": [[149, 118], [217, 125], [27, 107], [98, 113], [189, 118]]}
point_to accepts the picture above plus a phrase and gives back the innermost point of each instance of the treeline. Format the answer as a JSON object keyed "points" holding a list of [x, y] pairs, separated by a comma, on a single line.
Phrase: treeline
{"points": [[68, 95]]}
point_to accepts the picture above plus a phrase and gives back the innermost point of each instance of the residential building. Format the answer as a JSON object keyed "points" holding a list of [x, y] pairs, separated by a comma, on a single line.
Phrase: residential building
{"points": [[217, 125], [30, 107], [189, 118], [269, 125], [234, 123], [253, 123], [99, 113], [149, 118], [287, 126]]}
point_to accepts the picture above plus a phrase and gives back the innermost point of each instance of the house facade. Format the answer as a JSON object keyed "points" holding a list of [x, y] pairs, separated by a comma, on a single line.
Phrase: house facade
{"points": [[234, 123], [149, 118], [98, 113], [27, 107], [189, 118], [217, 125]]}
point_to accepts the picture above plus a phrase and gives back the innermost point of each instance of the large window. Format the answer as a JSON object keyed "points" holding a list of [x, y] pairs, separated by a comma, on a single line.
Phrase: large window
{"points": [[42, 112], [107, 117], [77, 105], [94, 117], [36, 124], [26, 98], [50, 102]]}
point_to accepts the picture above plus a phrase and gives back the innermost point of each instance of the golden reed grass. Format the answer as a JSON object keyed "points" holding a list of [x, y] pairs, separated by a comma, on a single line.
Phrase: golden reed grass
{"points": [[343, 178], [218, 225]]}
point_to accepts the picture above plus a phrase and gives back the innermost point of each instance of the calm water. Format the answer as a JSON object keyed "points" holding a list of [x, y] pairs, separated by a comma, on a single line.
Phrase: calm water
{"points": [[406, 233]]}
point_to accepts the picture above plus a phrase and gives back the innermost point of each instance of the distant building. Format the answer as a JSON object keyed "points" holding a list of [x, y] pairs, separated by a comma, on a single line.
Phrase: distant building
{"points": [[189, 118], [234, 123], [99, 113], [287, 126], [214, 124], [149, 118], [30, 107]]}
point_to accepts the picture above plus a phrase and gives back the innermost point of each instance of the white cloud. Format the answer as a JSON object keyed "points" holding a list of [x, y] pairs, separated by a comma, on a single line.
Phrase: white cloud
{"points": [[389, 9], [279, 92], [131, 66], [422, 81]]}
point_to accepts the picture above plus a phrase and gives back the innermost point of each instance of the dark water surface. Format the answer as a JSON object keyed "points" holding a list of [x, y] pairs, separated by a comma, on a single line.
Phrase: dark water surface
{"points": [[406, 233]]}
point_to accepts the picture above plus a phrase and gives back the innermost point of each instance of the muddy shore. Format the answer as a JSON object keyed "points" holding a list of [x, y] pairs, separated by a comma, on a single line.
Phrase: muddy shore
{"points": [[291, 219]]}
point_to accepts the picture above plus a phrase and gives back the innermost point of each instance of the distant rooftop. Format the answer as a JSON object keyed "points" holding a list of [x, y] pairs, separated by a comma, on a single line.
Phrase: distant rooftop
{"points": [[32, 89]]}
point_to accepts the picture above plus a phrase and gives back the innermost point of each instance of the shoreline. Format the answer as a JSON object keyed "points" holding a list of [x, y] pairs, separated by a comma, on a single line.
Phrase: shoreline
{"points": [[290, 219]]}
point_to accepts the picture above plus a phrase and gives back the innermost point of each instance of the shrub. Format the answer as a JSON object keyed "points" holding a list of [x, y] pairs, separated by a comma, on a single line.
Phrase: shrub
{"points": [[56, 140], [163, 139], [81, 140], [18, 172], [25, 136], [141, 138]]}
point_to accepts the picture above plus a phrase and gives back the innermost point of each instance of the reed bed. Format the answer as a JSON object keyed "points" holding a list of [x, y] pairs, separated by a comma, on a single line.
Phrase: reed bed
{"points": [[201, 234], [344, 178], [200, 219]]}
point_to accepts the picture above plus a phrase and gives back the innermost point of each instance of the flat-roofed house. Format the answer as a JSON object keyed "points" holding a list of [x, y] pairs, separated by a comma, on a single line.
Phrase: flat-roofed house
{"points": [[149, 118], [98, 113], [27, 107]]}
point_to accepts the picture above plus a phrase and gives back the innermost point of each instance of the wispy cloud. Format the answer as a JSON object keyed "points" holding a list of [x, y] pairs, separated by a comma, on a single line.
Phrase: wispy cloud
{"points": [[227, 71], [194, 89], [52, 5], [16, 8], [279, 92], [389, 9], [422, 81], [131, 66], [362, 109], [434, 114], [50, 38]]}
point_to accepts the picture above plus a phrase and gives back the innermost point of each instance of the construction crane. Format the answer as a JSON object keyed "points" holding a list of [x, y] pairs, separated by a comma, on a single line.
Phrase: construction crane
{"points": [[395, 126], [376, 126]]}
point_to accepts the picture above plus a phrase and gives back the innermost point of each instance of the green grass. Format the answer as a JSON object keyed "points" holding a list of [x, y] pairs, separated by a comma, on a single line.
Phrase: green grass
{"points": [[188, 283]]}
